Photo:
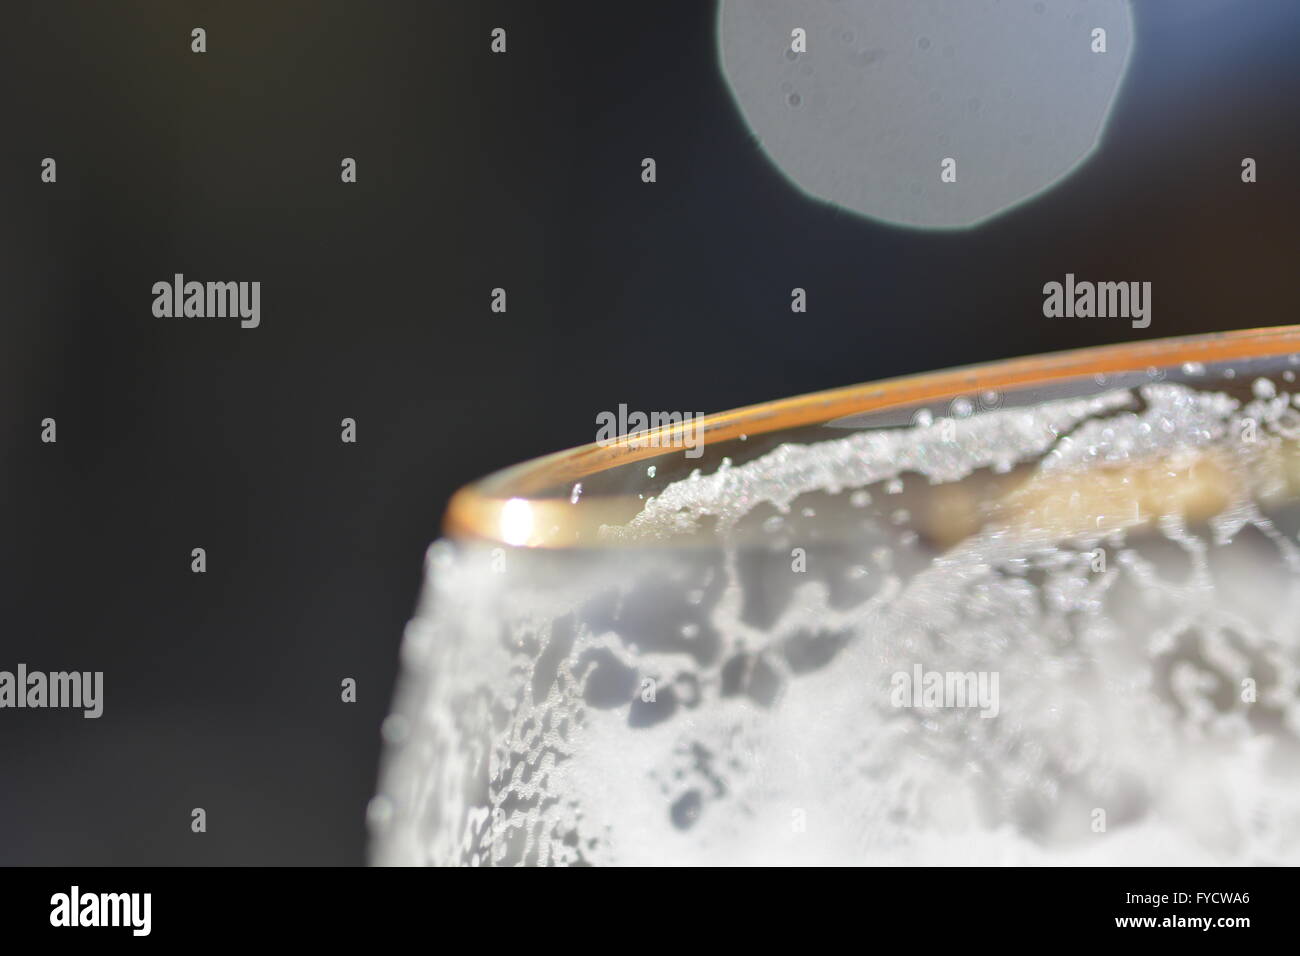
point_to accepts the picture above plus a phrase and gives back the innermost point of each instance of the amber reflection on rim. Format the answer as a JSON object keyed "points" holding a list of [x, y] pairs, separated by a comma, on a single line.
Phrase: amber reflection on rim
{"points": [[476, 511]]}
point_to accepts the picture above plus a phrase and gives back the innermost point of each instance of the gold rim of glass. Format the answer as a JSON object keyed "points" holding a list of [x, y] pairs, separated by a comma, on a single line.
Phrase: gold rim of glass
{"points": [[490, 509]]}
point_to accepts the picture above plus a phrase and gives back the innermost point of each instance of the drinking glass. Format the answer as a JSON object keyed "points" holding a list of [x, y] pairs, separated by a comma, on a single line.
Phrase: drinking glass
{"points": [[1041, 611]]}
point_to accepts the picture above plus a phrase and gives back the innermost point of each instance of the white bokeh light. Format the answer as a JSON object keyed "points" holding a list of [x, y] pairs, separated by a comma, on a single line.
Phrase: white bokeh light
{"points": [[1013, 91]]}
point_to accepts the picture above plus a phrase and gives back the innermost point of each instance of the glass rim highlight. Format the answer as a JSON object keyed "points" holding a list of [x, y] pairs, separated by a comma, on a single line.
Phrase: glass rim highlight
{"points": [[508, 507]]}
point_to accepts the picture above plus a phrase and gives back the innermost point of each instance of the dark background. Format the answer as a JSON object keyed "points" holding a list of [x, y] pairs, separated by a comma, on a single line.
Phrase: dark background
{"points": [[475, 171]]}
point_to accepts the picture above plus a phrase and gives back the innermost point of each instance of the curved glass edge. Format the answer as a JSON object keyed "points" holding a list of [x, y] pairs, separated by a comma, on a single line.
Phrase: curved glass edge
{"points": [[514, 506]]}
